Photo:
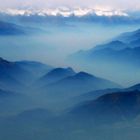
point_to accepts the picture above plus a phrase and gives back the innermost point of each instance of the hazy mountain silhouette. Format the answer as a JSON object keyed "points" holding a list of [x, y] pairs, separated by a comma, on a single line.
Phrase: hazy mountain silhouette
{"points": [[114, 45], [10, 29], [110, 108], [11, 75], [113, 52], [122, 43], [17, 75], [55, 75], [135, 87], [130, 37], [79, 83], [92, 95], [114, 59], [36, 68], [95, 94]]}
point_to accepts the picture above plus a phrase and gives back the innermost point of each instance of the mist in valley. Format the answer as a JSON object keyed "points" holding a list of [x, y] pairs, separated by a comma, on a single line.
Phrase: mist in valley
{"points": [[55, 86], [50, 41]]}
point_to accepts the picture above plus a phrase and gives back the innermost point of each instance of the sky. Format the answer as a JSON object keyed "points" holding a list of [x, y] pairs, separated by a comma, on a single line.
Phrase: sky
{"points": [[114, 4]]}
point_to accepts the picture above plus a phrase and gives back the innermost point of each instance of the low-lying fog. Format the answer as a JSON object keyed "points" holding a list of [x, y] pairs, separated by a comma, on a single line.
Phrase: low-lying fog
{"points": [[55, 42], [39, 102]]}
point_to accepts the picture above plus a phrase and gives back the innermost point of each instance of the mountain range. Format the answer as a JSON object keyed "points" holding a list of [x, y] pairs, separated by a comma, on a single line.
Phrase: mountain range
{"points": [[7, 28], [13, 29], [40, 99], [55, 75], [120, 56], [70, 84], [126, 44], [60, 82], [93, 95], [67, 86], [17, 75], [110, 108]]}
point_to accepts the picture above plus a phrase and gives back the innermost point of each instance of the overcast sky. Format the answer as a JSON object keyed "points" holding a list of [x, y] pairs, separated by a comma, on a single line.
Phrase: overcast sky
{"points": [[115, 4]]}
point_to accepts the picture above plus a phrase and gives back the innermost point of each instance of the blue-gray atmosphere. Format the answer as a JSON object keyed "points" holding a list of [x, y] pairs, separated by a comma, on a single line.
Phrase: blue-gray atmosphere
{"points": [[69, 70]]}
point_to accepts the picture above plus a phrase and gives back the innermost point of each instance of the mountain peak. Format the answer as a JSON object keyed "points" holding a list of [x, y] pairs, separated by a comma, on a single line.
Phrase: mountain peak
{"points": [[69, 68], [3, 61], [111, 108], [135, 87], [56, 75], [137, 31], [84, 74], [61, 71], [113, 45]]}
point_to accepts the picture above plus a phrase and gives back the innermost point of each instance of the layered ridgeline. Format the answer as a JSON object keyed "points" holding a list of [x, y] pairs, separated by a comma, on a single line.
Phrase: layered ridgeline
{"points": [[92, 95], [55, 75], [39, 84], [50, 102], [116, 111], [18, 75], [117, 60], [16, 80], [110, 108], [62, 83], [25, 72], [12, 29]]}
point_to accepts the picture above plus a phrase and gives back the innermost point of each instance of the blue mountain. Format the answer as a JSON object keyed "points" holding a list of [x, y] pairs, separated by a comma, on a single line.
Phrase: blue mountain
{"points": [[130, 37], [92, 95], [11, 75], [55, 75], [114, 59], [36, 68], [135, 87], [125, 47], [114, 45], [17, 75], [10, 29], [110, 108], [77, 84]]}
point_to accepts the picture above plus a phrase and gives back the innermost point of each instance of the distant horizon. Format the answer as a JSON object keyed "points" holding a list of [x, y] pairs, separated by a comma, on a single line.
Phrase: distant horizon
{"points": [[71, 11], [35, 31], [106, 4], [69, 69]]}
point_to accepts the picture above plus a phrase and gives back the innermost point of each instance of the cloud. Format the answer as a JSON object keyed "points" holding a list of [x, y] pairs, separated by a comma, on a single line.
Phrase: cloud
{"points": [[66, 12], [65, 15], [119, 4]]}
